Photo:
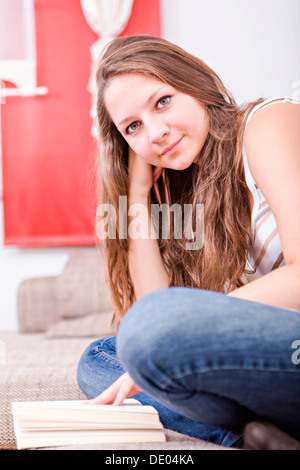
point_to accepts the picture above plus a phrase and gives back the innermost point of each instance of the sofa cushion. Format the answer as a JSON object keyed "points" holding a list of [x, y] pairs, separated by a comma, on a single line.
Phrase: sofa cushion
{"points": [[80, 287], [73, 304], [36, 368], [95, 324], [36, 304]]}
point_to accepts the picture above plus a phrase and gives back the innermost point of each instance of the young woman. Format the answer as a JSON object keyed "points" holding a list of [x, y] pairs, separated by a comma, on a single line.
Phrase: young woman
{"points": [[209, 331]]}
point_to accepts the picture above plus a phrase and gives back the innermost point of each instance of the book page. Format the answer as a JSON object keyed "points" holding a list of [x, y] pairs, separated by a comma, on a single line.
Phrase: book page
{"points": [[129, 405]]}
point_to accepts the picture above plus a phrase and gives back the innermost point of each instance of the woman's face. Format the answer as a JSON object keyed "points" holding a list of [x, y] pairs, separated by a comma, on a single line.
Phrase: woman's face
{"points": [[165, 127]]}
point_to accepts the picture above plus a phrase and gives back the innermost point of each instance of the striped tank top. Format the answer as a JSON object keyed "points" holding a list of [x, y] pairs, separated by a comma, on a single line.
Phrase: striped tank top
{"points": [[265, 252]]}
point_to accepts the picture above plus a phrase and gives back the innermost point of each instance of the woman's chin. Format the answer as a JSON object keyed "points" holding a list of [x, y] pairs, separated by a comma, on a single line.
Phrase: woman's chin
{"points": [[180, 165]]}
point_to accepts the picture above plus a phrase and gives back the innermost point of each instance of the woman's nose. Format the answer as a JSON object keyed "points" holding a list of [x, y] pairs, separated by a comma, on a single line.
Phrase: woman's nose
{"points": [[157, 131]]}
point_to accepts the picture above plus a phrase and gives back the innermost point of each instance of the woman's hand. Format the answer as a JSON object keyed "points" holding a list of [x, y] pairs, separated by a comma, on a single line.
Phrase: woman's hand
{"points": [[141, 175], [122, 388]]}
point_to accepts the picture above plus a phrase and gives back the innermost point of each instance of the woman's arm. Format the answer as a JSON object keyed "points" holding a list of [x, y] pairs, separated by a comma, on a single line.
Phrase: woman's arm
{"points": [[145, 263], [272, 142], [279, 288]]}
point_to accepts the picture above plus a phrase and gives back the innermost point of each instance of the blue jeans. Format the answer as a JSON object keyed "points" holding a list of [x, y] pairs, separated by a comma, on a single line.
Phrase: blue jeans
{"points": [[208, 363]]}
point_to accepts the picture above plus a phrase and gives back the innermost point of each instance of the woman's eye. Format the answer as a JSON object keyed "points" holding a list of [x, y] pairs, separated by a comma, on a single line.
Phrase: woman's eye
{"points": [[164, 101], [132, 127]]}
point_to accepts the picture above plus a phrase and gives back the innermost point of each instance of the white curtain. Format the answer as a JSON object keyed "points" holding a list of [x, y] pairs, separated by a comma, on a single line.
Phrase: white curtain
{"points": [[107, 18]]}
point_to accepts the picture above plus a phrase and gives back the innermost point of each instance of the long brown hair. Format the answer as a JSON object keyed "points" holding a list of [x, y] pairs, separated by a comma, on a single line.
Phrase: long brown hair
{"points": [[215, 180]]}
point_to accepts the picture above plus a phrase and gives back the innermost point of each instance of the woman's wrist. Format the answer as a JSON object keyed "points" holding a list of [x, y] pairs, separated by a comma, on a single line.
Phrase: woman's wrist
{"points": [[137, 196]]}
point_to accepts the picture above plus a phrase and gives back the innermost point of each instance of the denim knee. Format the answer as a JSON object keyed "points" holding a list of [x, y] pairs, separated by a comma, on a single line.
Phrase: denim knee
{"points": [[98, 367], [140, 333]]}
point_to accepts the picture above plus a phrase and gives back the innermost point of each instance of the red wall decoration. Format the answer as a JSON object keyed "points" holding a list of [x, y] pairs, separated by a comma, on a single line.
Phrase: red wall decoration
{"points": [[47, 149]]}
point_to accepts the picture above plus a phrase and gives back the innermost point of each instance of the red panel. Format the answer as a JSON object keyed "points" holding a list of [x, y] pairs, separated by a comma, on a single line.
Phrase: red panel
{"points": [[48, 152]]}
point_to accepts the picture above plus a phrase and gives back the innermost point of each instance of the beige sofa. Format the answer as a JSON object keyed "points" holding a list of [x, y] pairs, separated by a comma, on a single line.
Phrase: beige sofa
{"points": [[58, 317]]}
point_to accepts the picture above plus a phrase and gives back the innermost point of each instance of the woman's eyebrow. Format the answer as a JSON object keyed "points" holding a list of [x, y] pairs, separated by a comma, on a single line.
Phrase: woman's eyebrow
{"points": [[155, 92], [130, 118]]}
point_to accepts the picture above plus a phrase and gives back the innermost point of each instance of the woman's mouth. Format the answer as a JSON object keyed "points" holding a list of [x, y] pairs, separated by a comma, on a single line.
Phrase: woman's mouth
{"points": [[171, 148]]}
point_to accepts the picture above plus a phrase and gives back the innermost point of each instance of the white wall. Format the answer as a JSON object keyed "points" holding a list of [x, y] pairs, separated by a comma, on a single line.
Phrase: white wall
{"points": [[252, 44]]}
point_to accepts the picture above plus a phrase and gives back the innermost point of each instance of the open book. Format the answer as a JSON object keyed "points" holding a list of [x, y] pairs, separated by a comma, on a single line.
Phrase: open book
{"points": [[57, 423]]}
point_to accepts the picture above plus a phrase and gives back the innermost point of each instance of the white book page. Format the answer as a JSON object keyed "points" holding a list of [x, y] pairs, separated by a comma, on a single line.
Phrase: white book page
{"points": [[129, 405]]}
